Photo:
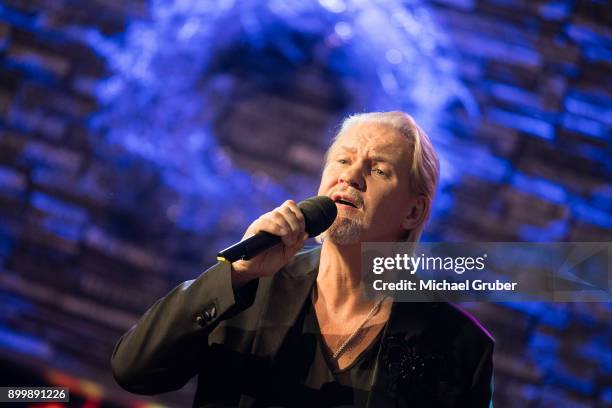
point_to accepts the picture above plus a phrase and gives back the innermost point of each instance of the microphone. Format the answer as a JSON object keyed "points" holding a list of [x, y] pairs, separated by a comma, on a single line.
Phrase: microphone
{"points": [[319, 213]]}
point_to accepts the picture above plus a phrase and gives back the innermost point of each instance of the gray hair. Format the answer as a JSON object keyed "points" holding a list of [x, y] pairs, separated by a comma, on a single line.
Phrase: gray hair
{"points": [[424, 171]]}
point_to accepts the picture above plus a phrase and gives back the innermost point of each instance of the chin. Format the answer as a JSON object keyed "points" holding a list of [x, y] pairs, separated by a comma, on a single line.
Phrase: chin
{"points": [[344, 231]]}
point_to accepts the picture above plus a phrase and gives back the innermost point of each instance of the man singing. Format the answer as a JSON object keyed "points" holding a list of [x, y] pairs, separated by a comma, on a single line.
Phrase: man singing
{"points": [[294, 327]]}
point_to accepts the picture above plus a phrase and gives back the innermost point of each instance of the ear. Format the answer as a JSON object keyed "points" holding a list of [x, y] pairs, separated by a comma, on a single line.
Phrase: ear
{"points": [[415, 213]]}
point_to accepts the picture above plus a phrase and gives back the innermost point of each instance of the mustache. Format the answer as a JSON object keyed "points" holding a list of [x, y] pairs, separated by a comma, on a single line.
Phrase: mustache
{"points": [[353, 194]]}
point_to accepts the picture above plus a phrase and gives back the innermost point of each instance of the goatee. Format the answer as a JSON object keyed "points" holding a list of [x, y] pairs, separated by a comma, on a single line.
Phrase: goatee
{"points": [[344, 231]]}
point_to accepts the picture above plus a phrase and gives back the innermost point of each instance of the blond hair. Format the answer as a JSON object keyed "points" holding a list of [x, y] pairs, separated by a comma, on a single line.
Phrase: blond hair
{"points": [[424, 171]]}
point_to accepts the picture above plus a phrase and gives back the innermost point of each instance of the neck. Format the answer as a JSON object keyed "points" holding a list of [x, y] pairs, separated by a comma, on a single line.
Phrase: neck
{"points": [[339, 281]]}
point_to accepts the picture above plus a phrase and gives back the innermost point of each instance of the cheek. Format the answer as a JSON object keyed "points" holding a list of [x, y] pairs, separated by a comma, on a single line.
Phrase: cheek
{"points": [[387, 203], [321, 190], [327, 181]]}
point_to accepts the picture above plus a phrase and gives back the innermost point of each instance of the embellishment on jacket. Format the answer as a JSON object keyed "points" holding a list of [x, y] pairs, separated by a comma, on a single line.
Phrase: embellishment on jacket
{"points": [[414, 365]]}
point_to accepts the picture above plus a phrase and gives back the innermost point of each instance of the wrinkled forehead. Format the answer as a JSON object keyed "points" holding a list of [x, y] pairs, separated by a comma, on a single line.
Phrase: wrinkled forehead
{"points": [[372, 139]]}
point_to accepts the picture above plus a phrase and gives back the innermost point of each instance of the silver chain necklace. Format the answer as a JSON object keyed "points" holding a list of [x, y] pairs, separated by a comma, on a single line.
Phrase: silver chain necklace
{"points": [[352, 336]]}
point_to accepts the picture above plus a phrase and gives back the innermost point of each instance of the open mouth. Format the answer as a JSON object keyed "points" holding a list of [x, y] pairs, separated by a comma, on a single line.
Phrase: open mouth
{"points": [[345, 202]]}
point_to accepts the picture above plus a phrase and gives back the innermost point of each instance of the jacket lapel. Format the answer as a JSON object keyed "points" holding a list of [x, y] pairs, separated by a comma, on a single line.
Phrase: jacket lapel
{"points": [[288, 291]]}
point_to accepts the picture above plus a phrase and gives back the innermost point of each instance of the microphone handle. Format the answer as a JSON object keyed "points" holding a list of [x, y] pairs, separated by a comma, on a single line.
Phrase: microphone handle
{"points": [[249, 248]]}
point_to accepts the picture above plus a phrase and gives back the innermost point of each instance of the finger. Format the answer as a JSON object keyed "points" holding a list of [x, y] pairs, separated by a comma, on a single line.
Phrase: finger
{"points": [[298, 214], [292, 220], [287, 234], [273, 224]]}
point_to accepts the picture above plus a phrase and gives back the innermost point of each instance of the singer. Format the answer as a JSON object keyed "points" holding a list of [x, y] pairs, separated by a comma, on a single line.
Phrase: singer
{"points": [[292, 327]]}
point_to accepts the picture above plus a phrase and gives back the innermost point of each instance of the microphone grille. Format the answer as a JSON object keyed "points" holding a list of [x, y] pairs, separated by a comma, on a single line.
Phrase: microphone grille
{"points": [[319, 213]]}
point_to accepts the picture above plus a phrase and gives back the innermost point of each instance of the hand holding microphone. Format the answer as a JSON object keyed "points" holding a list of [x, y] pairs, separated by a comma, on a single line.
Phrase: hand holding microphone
{"points": [[258, 254]]}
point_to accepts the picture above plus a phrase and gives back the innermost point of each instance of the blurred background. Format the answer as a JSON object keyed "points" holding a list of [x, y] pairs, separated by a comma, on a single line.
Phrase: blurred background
{"points": [[139, 137]]}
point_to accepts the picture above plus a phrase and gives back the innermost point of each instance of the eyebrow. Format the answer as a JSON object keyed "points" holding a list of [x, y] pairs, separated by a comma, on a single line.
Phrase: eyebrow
{"points": [[380, 158]]}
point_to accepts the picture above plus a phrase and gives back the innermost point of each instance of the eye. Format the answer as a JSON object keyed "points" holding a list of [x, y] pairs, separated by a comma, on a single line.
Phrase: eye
{"points": [[379, 172], [342, 161]]}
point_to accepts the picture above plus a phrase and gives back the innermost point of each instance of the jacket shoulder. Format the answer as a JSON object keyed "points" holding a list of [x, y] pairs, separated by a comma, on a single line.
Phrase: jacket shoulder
{"points": [[444, 322], [469, 324]]}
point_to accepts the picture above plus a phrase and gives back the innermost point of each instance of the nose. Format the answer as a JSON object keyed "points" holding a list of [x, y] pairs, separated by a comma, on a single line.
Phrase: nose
{"points": [[353, 176]]}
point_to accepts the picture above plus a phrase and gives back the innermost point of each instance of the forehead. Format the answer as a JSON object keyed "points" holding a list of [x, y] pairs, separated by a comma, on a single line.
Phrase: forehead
{"points": [[369, 139]]}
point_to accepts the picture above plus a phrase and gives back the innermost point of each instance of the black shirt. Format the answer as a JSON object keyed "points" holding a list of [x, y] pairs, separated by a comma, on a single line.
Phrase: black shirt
{"points": [[304, 375]]}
